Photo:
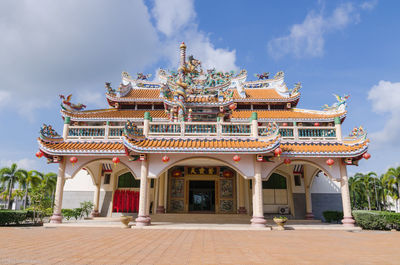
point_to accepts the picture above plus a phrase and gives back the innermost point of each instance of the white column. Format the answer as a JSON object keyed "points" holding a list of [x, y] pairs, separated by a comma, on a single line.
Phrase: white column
{"points": [[161, 206], [67, 121], [141, 220], [242, 207], [96, 199], [57, 217], [148, 198], [307, 184], [344, 188], [258, 211]]}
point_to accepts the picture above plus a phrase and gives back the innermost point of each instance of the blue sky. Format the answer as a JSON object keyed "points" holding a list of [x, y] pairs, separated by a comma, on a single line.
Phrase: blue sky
{"points": [[59, 47]]}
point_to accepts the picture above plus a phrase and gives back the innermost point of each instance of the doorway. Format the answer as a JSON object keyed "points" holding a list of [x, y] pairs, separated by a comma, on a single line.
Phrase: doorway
{"points": [[202, 196]]}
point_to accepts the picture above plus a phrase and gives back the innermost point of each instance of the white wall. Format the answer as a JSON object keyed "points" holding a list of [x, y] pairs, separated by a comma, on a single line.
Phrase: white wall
{"points": [[323, 184], [81, 182]]}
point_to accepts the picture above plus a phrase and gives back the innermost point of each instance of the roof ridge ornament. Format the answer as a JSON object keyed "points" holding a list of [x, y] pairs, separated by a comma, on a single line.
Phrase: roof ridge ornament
{"points": [[340, 105], [66, 104], [47, 133]]}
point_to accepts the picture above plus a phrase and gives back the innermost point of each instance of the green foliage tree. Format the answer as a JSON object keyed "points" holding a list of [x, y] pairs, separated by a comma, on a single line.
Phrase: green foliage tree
{"points": [[40, 201], [27, 180], [393, 175], [9, 177]]}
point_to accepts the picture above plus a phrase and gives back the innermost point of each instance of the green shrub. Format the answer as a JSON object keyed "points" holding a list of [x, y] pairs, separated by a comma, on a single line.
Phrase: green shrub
{"points": [[69, 213], [8, 217], [86, 207], [332, 216], [376, 220]]}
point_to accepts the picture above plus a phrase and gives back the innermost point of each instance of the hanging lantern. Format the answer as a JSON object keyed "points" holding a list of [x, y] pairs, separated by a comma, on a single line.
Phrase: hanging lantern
{"points": [[73, 160], [176, 173], [236, 158], [317, 124], [330, 162], [260, 158], [227, 174], [165, 159], [232, 106], [284, 124], [366, 156], [287, 161], [115, 160], [39, 154], [278, 152]]}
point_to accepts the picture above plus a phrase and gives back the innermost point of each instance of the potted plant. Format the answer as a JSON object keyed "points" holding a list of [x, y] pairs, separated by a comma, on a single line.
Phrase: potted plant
{"points": [[125, 220], [280, 221]]}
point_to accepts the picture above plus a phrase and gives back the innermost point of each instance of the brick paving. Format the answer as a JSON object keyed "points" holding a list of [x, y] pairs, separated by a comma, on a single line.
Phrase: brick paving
{"points": [[64, 245]]}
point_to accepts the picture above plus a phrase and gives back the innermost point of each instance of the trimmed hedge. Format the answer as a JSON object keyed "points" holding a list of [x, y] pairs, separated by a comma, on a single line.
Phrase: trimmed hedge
{"points": [[8, 217], [331, 216], [376, 220]]}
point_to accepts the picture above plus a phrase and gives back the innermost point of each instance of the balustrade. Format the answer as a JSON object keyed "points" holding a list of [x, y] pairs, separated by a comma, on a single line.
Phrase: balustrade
{"points": [[216, 129]]}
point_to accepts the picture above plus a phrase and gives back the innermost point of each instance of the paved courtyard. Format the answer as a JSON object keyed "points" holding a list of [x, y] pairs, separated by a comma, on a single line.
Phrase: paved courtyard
{"points": [[76, 245]]}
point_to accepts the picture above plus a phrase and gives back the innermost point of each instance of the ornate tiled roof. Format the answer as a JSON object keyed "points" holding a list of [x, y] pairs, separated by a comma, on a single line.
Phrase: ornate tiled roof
{"points": [[263, 95], [324, 149], [98, 148], [140, 95], [114, 115], [292, 114], [201, 145]]}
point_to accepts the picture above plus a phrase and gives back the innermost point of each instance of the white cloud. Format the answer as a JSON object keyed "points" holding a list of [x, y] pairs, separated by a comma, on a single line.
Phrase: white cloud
{"points": [[308, 38], [385, 97], [176, 19], [172, 15], [51, 47], [4, 97], [369, 5], [24, 163]]}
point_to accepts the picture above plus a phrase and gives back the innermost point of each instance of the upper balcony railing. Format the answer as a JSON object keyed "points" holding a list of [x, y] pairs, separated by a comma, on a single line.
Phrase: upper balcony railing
{"points": [[204, 129]]}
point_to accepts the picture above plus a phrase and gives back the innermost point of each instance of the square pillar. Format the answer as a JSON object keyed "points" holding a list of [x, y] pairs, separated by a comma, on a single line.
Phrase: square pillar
{"points": [[307, 190], [142, 220], [96, 199], [57, 217], [258, 211]]}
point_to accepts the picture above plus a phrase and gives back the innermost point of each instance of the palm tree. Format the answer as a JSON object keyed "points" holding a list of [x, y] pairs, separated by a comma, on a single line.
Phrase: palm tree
{"points": [[365, 183], [394, 176], [27, 180], [9, 176], [50, 182]]}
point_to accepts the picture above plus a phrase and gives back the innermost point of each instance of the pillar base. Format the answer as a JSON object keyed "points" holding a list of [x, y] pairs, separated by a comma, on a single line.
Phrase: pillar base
{"points": [[95, 213], [309, 216], [56, 219], [348, 221], [258, 221], [142, 221], [160, 209], [242, 210]]}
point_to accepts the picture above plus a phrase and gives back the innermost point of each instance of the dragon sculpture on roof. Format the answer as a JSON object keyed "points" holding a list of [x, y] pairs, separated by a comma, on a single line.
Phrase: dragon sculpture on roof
{"points": [[66, 104], [340, 105]]}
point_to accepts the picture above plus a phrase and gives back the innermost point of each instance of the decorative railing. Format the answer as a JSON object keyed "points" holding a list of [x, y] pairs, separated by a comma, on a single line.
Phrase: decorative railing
{"points": [[203, 129]]}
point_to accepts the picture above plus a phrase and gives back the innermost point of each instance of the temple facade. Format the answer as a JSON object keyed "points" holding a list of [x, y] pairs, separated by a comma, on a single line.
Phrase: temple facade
{"points": [[203, 141]]}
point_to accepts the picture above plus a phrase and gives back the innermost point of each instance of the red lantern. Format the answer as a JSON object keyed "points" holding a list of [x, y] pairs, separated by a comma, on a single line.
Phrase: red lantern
{"points": [[227, 174], [330, 162], [287, 161], [367, 156], [317, 124], [176, 173], [39, 154], [236, 158], [165, 159], [73, 160], [278, 152], [115, 160], [284, 124]]}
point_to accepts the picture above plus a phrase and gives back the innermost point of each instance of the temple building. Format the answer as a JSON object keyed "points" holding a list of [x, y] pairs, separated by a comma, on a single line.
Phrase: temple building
{"points": [[203, 141]]}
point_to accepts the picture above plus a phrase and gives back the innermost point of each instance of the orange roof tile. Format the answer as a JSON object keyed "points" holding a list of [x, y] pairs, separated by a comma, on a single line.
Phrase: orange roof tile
{"points": [[56, 148], [262, 93], [200, 145], [324, 148], [114, 114], [285, 114]]}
